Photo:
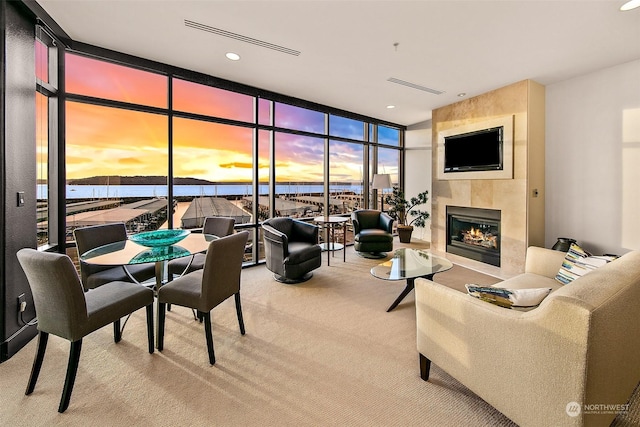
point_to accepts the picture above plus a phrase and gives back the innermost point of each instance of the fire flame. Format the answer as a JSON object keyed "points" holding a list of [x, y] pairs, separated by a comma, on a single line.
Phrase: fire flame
{"points": [[475, 236], [475, 233]]}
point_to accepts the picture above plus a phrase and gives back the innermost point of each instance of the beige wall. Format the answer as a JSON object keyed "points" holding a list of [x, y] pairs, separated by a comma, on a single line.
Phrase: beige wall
{"points": [[593, 159], [522, 221], [418, 169]]}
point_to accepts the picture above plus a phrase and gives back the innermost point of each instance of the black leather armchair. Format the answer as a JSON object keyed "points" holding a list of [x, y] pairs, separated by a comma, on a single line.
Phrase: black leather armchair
{"points": [[291, 249], [372, 230]]}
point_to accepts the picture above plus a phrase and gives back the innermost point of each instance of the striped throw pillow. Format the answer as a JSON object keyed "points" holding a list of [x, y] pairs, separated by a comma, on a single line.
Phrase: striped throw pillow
{"points": [[579, 262]]}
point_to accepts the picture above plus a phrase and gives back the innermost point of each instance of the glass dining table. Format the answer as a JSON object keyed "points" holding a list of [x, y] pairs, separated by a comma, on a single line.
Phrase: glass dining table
{"points": [[128, 252]]}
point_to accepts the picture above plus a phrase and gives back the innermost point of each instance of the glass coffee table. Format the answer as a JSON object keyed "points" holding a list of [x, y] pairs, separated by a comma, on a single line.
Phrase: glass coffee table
{"points": [[409, 264]]}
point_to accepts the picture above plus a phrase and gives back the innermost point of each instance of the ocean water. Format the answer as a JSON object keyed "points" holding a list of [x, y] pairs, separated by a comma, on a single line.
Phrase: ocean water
{"points": [[222, 190]]}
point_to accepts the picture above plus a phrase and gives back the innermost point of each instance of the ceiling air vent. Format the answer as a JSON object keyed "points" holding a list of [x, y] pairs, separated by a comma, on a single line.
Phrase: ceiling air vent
{"points": [[415, 86], [240, 37]]}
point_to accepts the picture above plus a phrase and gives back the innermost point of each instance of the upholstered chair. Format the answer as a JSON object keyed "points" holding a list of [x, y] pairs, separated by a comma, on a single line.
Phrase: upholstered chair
{"points": [[64, 309], [580, 348], [92, 275], [291, 249], [204, 289], [372, 233], [215, 225]]}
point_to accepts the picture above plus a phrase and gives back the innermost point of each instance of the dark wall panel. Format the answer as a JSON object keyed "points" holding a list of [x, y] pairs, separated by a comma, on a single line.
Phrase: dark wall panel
{"points": [[18, 161]]}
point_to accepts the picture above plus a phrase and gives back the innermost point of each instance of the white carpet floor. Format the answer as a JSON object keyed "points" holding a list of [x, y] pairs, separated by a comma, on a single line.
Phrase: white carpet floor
{"points": [[321, 353]]}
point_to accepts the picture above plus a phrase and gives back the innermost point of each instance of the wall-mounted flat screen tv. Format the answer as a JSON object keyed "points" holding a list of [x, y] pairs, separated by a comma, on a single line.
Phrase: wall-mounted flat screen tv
{"points": [[474, 151]]}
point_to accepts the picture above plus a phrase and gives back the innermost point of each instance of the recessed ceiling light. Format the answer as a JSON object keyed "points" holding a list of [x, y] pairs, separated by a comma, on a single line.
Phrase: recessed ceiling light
{"points": [[391, 106], [462, 94], [232, 56], [631, 4]]}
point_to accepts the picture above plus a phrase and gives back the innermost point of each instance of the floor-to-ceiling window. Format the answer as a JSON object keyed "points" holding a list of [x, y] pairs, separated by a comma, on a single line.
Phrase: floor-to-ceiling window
{"points": [[153, 150], [385, 157], [388, 163], [212, 156], [299, 147], [42, 158], [345, 176], [299, 173], [116, 145], [346, 163], [46, 140]]}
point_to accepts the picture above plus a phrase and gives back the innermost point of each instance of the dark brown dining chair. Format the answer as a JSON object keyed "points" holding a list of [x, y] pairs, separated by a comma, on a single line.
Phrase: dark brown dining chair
{"points": [[216, 225], [205, 289], [92, 275], [64, 309]]}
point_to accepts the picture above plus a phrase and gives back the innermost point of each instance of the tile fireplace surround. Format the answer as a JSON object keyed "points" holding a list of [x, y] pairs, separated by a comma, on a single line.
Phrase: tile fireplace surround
{"points": [[520, 198]]}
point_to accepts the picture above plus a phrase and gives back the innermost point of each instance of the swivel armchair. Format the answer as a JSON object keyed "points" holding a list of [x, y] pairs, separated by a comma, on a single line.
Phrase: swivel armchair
{"points": [[291, 249], [372, 230]]}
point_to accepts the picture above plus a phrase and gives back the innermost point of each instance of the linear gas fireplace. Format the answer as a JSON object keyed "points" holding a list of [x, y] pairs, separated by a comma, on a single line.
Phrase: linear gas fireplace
{"points": [[474, 233]]}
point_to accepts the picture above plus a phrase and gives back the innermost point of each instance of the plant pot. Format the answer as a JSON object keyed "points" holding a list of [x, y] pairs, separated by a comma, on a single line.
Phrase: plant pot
{"points": [[404, 233]]}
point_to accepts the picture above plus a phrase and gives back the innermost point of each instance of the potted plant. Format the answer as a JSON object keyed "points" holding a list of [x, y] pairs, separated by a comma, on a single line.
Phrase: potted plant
{"points": [[401, 208]]}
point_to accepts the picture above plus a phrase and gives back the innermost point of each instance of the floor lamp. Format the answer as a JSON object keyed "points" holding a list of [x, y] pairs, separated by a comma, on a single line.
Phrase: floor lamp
{"points": [[380, 182]]}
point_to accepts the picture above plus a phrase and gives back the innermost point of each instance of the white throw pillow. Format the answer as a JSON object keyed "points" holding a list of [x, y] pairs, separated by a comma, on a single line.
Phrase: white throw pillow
{"points": [[509, 298]]}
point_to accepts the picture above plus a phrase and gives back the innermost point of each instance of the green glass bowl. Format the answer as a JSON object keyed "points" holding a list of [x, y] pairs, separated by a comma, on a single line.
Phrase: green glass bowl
{"points": [[159, 238], [159, 254]]}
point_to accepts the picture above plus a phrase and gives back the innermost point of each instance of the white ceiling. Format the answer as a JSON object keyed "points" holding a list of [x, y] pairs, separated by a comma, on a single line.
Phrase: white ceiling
{"points": [[347, 47]]}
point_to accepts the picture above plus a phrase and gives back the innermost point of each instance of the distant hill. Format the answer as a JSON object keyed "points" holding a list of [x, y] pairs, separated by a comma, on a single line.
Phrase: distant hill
{"points": [[136, 180]]}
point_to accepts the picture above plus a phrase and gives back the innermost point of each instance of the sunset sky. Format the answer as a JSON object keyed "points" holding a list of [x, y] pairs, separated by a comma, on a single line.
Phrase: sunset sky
{"points": [[111, 141]]}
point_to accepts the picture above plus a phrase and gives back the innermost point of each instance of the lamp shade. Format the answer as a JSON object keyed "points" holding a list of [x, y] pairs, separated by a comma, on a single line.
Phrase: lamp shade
{"points": [[381, 181], [630, 5]]}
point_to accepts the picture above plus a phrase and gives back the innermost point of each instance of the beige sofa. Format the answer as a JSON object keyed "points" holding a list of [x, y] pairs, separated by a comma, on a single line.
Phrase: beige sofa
{"points": [[582, 344]]}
